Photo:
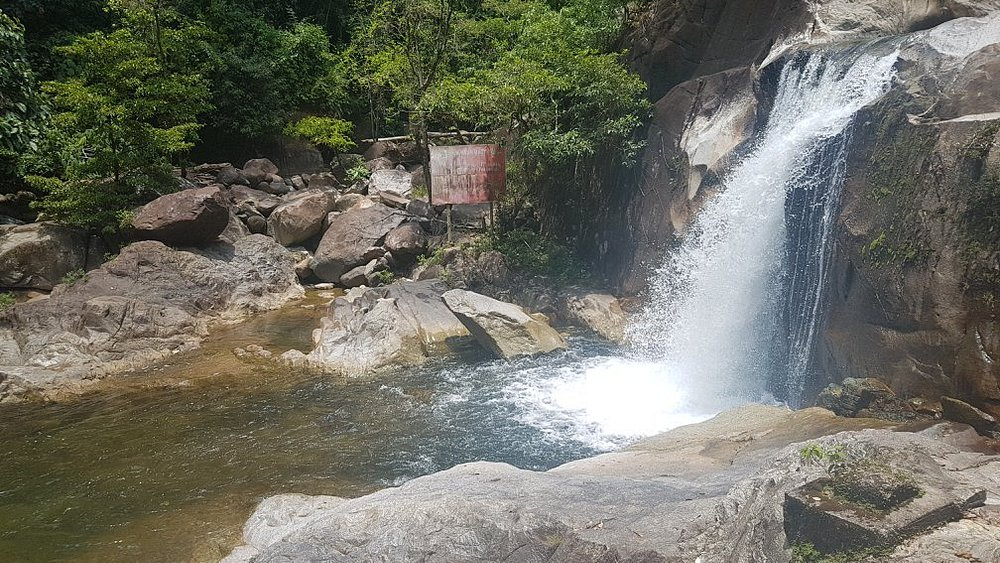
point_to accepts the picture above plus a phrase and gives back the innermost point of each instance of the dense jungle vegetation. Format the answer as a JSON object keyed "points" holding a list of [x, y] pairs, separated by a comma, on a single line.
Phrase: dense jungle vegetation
{"points": [[104, 99]]}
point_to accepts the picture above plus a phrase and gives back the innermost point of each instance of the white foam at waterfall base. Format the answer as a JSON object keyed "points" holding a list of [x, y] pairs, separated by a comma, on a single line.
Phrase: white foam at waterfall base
{"points": [[606, 402], [705, 340]]}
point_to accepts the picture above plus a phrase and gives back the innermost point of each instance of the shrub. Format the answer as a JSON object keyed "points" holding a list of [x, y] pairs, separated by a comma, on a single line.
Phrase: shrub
{"points": [[530, 252], [7, 300]]}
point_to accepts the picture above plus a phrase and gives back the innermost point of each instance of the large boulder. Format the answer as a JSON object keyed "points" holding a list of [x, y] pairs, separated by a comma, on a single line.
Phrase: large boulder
{"points": [[231, 176], [39, 255], [276, 517], [503, 328], [422, 304], [354, 238], [186, 218], [259, 170], [301, 218], [362, 333], [399, 182], [401, 324], [146, 304], [406, 242]]}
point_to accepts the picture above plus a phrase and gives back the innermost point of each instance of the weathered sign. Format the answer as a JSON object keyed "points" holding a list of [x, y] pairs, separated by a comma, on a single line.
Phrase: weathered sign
{"points": [[467, 174]]}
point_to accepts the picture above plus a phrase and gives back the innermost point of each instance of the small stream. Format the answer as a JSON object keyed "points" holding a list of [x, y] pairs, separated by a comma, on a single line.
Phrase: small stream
{"points": [[168, 468]]}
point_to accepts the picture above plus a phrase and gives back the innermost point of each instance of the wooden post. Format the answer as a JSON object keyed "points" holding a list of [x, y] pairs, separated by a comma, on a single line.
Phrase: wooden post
{"points": [[493, 228], [448, 214]]}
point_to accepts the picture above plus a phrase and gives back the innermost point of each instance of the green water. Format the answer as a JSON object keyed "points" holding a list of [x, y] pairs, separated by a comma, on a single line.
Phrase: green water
{"points": [[168, 468]]}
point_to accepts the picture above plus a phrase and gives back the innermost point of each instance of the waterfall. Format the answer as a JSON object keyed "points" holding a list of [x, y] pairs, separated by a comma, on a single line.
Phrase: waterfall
{"points": [[738, 301]]}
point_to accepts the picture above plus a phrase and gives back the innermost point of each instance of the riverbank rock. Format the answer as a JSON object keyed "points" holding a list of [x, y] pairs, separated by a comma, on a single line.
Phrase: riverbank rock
{"points": [[39, 255], [710, 492], [401, 324], [301, 218], [259, 170], [503, 328], [185, 218], [149, 302], [363, 333], [354, 238]]}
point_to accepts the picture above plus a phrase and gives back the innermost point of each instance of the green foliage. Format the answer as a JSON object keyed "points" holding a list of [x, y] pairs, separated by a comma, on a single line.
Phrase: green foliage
{"points": [[261, 74], [22, 110], [358, 173], [328, 132], [385, 277], [435, 258], [807, 553], [832, 459], [532, 253], [130, 107], [7, 300], [72, 277]]}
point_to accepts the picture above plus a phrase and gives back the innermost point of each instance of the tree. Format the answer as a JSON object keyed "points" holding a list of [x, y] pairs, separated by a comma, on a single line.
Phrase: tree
{"points": [[22, 110], [129, 112], [328, 132], [400, 52]]}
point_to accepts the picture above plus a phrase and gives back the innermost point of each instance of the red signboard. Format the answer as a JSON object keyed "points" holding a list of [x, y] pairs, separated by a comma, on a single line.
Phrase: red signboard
{"points": [[467, 174]]}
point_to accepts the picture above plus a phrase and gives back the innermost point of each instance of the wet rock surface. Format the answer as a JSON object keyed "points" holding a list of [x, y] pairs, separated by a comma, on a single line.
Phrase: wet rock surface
{"points": [[145, 304], [503, 328], [712, 491]]}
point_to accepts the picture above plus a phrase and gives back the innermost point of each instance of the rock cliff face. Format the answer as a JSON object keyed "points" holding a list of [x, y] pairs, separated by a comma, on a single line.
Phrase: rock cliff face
{"points": [[702, 61], [916, 274]]}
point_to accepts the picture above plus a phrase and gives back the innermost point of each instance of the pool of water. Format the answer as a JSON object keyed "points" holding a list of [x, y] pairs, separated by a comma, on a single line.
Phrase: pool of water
{"points": [[168, 468]]}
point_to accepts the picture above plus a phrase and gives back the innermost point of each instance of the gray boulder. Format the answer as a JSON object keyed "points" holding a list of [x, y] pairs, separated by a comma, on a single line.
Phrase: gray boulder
{"points": [[364, 333], [321, 180], [399, 182], [353, 201], [186, 218], [503, 328], [301, 218], [710, 492], [278, 516], [257, 170], [230, 176], [406, 242], [353, 238], [263, 202], [39, 255], [401, 324]]}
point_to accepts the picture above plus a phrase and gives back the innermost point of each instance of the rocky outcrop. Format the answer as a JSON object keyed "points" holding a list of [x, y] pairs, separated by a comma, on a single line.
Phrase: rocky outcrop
{"points": [[186, 218], [503, 328], [394, 181], [406, 242], [915, 287], [39, 255], [354, 238], [709, 492], [147, 303]]}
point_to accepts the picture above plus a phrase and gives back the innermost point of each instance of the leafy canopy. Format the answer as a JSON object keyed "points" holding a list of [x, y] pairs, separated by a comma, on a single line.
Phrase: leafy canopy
{"points": [[127, 112]]}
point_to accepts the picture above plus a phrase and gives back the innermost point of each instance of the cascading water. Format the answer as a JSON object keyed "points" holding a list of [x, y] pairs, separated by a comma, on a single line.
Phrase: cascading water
{"points": [[740, 299]]}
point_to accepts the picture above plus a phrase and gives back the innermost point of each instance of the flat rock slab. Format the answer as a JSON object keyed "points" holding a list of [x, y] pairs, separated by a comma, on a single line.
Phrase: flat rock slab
{"points": [[833, 526]]}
